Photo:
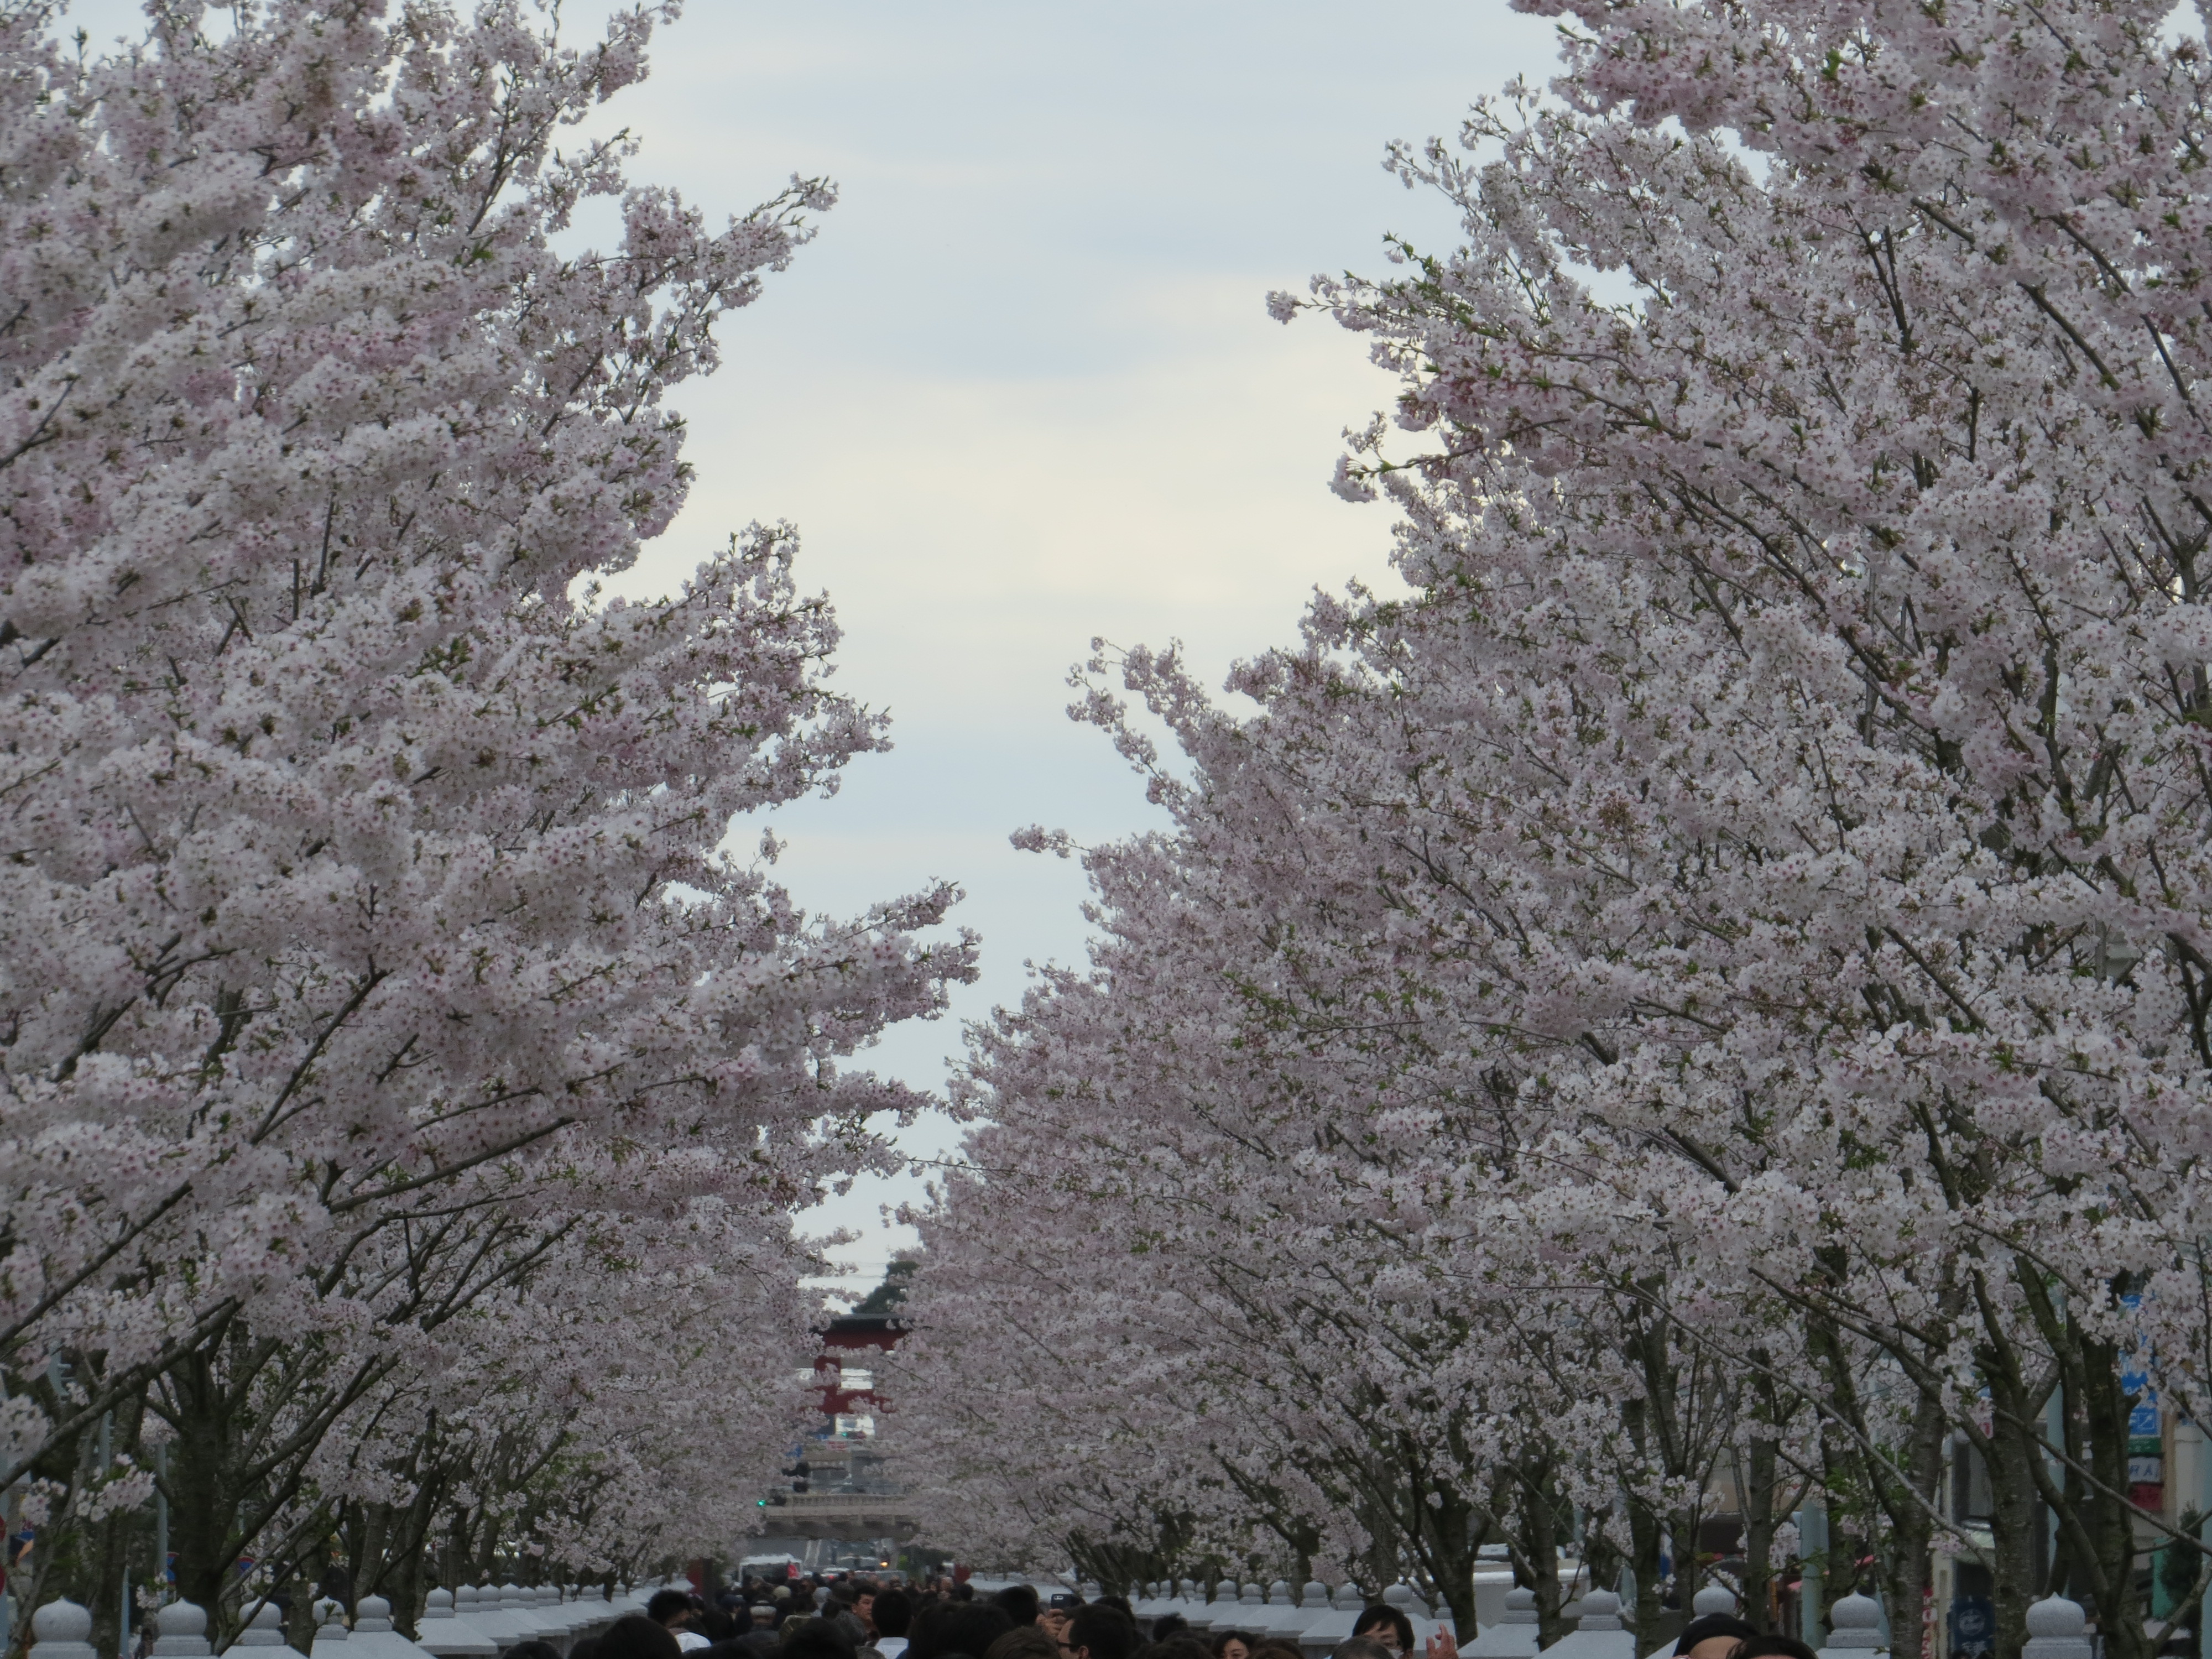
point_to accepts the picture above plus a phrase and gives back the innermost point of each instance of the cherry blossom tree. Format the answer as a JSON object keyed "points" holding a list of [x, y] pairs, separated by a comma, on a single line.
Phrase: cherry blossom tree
{"points": [[376, 981], [1763, 857]]}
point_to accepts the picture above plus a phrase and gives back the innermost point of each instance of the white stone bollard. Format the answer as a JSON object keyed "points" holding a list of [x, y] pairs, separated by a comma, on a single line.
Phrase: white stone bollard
{"points": [[184, 1633], [1313, 1605], [1283, 1618], [1333, 1623], [1854, 1629], [444, 1635], [1598, 1633], [478, 1609], [1714, 1598], [2057, 1629], [1513, 1636], [264, 1634], [542, 1603], [331, 1631], [374, 1634], [597, 1614], [62, 1630], [515, 1604], [1218, 1613], [573, 1612]]}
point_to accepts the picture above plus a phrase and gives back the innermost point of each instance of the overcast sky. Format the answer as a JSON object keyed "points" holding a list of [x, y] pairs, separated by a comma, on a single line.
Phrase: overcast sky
{"points": [[1023, 389]]}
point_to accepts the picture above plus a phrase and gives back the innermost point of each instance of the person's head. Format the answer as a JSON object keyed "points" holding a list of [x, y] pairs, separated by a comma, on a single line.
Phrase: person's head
{"points": [[1169, 1624], [532, 1650], [1383, 1623], [584, 1647], [814, 1639], [1715, 1636], [950, 1627], [1099, 1633], [864, 1604], [1274, 1648], [1771, 1647], [893, 1613], [1231, 1644], [637, 1636], [714, 1624], [1021, 1602], [672, 1609], [1359, 1647], [962, 1592], [764, 1615], [1183, 1644], [1023, 1641]]}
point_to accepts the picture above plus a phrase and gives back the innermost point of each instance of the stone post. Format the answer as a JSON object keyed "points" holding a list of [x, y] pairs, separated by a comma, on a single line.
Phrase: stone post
{"points": [[1857, 1628], [62, 1630], [2057, 1629]]}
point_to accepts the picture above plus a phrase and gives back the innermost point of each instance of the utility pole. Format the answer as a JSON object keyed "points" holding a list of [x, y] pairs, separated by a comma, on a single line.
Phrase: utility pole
{"points": [[160, 1523], [1812, 1548]]}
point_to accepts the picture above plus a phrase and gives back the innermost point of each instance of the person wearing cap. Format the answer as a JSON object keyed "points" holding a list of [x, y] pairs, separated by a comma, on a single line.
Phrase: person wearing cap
{"points": [[1712, 1635]]}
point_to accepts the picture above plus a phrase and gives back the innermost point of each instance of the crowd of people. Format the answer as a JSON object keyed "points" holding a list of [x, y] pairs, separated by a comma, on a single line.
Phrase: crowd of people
{"points": [[858, 1618]]}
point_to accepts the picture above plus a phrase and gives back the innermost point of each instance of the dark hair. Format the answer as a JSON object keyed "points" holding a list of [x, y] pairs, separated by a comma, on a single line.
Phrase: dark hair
{"points": [[962, 1592], [1181, 1645], [893, 1612], [1711, 1625], [1375, 1614], [1121, 1604], [666, 1604], [1275, 1647], [1222, 1638], [1771, 1647], [1109, 1632], [584, 1647], [714, 1624], [1170, 1624], [1024, 1642], [533, 1649], [950, 1627], [815, 1638], [633, 1636], [1021, 1603], [1359, 1647]]}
